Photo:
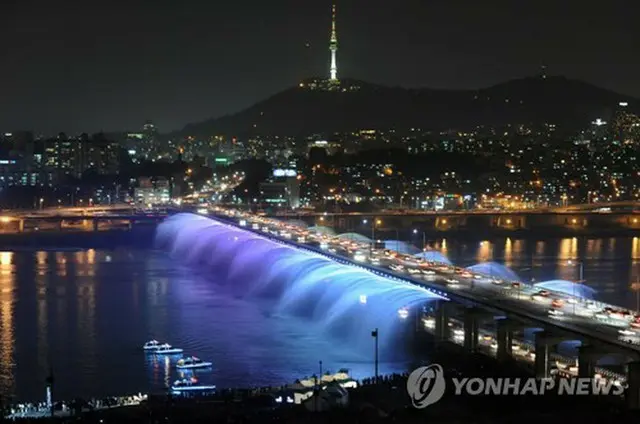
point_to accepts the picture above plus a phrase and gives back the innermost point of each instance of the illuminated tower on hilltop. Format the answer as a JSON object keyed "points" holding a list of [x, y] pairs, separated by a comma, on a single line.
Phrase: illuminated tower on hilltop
{"points": [[333, 47]]}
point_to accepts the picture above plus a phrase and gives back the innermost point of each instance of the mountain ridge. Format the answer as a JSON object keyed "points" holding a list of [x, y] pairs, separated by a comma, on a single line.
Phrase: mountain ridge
{"points": [[558, 100]]}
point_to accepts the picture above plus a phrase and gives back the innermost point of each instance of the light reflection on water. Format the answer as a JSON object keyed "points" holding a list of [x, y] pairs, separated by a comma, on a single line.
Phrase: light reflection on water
{"points": [[87, 313], [610, 264], [7, 336]]}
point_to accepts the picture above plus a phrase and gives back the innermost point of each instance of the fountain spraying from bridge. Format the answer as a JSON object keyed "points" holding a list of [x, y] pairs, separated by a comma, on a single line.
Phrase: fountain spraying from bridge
{"points": [[356, 237], [321, 229], [495, 270], [347, 301], [434, 256], [568, 287], [401, 247]]}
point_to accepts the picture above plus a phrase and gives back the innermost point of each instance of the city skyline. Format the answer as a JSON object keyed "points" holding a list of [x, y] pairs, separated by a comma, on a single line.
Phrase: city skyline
{"points": [[136, 69], [224, 212]]}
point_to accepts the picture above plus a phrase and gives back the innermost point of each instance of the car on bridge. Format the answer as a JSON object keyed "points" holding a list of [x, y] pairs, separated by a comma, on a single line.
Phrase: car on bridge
{"points": [[540, 295]]}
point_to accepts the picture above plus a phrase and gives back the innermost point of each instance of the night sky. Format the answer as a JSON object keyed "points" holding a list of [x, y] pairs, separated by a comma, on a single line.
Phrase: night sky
{"points": [[91, 65]]}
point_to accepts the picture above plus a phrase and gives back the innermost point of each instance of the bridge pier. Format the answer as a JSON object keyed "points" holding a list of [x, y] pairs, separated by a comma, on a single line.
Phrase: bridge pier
{"points": [[442, 321], [543, 343], [504, 338], [587, 359], [542, 356], [633, 389], [510, 222], [96, 224], [60, 225], [471, 328], [21, 225]]}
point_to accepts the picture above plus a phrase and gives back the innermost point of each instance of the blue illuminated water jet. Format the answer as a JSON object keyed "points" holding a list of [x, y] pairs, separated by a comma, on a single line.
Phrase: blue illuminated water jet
{"points": [[434, 256], [568, 287], [303, 283], [321, 229], [359, 238], [401, 247], [495, 270], [297, 223]]}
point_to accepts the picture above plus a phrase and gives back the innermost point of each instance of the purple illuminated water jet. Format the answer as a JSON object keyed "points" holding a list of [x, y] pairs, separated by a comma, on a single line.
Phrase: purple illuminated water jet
{"points": [[303, 283]]}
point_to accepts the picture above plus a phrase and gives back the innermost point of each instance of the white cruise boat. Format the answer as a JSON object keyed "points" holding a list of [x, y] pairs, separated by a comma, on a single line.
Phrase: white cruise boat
{"points": [[151, 345], [191, 385], [191, 363], [167, 349]]}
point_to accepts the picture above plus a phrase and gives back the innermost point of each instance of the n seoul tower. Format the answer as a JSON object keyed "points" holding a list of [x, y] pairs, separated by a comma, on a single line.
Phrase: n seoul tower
{"points": [[333, 47]]}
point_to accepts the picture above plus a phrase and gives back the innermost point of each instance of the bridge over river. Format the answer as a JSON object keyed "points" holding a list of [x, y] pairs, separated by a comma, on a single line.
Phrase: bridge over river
{"points": [[472, 304], [615, 218]]}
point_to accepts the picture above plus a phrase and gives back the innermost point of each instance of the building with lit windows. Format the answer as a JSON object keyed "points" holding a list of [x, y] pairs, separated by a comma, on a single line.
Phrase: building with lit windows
{"points": [[152, 192], [15, 172], [63, 155], [72, 156], [282, 189]]}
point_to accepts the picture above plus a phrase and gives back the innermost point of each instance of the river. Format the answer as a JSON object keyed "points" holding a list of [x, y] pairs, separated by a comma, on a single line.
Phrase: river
{"points": [[85, 314]]}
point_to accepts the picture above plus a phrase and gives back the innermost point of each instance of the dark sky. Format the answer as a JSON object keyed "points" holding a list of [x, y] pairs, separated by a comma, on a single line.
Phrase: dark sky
{"points": [[94, 65]]}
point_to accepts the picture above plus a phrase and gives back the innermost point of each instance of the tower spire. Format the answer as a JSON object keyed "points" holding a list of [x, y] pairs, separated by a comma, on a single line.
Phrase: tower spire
{"points": [[333, 47]]}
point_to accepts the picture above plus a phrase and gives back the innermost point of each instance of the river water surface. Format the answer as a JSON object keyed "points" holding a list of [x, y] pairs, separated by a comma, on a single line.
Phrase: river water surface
{"points": [[85, 314]]}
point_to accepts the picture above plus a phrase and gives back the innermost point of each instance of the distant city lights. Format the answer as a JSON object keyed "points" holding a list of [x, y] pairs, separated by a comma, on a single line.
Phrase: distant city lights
{"points": [[284, 173]]}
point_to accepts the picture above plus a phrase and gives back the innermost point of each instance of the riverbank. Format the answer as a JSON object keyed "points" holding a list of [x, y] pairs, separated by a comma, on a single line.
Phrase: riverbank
{"points": [[141, 236], [479, 234], [384, 400]]}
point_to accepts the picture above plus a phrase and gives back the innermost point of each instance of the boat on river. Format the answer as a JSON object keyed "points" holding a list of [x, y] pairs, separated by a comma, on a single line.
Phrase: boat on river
{"points": [[191, 385], [167, 349], [151, 345], [192, 363]]}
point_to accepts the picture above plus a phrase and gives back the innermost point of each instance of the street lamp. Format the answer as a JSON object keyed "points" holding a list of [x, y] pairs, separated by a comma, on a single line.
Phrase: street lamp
{"points": [[374, 334], [528, 269], [580, 264], [374, 222], [424, 238], [397, 240], [364, 222], [636, 287]]}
